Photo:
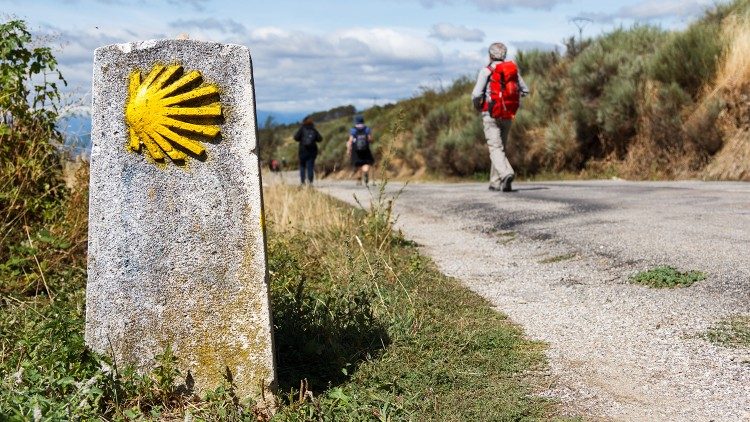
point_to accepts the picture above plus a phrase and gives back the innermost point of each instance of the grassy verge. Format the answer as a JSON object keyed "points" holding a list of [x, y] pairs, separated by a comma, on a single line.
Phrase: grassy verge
{"points": [[667, 277], [366, 329], [400, 341]]}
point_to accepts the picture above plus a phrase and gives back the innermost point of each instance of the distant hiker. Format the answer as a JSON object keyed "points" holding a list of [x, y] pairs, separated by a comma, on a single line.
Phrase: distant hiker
{"points": [[497, 94], [358, 147], [308, 138], [274, 166]]}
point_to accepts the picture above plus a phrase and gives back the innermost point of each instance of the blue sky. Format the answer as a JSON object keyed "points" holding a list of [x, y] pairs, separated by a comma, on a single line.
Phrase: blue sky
{"points": [[314, 55]]}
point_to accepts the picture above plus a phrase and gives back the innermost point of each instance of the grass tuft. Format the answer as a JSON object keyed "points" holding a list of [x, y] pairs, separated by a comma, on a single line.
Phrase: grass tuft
{"points": [[667, 277], [731, 332], [559, 258], [415, 343]]}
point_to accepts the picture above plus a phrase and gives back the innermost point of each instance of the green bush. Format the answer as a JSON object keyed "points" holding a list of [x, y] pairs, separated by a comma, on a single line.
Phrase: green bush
{"points": [[31, 186], [605, 81], [537, 62], [689, 58], [561, 146], [661, 148]]}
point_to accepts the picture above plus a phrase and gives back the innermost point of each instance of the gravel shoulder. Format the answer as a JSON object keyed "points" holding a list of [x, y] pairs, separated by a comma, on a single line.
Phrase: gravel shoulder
{"points": [[556, 258]]}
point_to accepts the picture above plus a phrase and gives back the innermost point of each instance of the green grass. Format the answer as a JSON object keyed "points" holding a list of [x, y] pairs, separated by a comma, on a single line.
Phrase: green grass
{"points": [[429, 348], [733, 331], [667, 277], [558, 258], [366, 329]]}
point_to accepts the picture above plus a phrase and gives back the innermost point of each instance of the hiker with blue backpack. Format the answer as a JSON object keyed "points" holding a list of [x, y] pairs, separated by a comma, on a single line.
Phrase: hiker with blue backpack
{"points": [[497, 94], [308, 138], [358, 148]]}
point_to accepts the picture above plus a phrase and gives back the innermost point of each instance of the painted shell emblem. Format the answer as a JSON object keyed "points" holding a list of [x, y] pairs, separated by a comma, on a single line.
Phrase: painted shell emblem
{"points": [[171, 112]]}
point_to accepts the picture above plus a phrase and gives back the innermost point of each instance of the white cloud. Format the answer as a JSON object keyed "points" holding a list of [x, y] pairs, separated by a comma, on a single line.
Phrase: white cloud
{"points": [[498, 5], [295, 70], [648, 10], [449, 32], [225, 26], [655, 10], [533, 45], [388, 46], [303, 71]]}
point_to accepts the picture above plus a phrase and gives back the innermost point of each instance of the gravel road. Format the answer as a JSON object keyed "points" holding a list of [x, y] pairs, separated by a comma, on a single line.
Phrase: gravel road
{"points": [[556, 258]]}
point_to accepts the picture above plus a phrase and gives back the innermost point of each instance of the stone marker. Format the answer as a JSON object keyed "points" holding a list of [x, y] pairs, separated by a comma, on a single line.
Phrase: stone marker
{"points": [[176, 236]]}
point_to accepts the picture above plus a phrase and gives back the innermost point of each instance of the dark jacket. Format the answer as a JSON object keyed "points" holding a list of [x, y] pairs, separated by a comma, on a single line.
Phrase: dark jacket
{"points": [[310, 150]]}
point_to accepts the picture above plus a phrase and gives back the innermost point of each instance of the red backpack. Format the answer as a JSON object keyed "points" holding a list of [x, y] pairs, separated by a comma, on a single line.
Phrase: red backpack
{"points": [[504, 94]]}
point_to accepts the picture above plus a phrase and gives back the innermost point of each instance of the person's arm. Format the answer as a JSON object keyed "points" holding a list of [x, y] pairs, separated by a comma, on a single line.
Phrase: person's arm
{"points": [[369, 135], [298, 135], [318, 137], [522, 85], [478, 93], [349, 145]]}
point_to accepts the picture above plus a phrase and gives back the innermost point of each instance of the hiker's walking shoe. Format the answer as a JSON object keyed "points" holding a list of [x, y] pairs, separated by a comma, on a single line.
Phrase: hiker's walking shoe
{"points": [[507, 180], [494, 189]]}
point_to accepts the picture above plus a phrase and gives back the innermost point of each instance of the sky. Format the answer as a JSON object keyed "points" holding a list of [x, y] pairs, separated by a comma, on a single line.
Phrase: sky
{"points": [[317, 54]]}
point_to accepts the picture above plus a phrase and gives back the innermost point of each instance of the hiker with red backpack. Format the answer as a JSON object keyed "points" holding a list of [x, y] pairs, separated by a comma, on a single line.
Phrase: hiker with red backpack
{"points": [[358, 148], [497, 94], [308, 138]]}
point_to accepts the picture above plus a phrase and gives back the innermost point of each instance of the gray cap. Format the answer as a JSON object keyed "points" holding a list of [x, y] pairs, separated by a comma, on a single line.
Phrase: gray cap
{"points": [[498, 51]]}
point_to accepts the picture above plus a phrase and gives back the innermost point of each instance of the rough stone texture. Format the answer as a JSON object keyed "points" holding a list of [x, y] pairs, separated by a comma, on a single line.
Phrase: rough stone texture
{"points": [[177, 253]]}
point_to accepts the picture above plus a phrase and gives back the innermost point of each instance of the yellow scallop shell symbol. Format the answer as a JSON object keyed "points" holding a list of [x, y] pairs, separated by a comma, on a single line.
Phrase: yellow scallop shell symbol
{"points": [[168, 111]]}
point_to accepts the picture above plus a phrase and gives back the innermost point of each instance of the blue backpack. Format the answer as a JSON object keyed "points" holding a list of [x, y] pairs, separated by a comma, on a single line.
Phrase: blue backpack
{"points": [[360, 139]]}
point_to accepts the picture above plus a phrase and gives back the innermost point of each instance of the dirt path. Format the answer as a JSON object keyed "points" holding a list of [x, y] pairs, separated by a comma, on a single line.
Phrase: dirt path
{"points": [[556, 258]]}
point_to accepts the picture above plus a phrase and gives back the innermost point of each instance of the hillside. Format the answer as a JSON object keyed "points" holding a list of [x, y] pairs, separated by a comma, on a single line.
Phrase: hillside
{"points": [[638, 103]]}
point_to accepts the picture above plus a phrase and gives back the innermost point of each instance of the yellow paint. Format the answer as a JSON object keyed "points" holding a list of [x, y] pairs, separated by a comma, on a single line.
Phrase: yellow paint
{"points": [[153, 114]]}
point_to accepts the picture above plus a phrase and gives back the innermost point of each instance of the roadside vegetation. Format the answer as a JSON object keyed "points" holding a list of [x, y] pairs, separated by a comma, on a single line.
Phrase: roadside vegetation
{"points": [[639, 102], [366, 328], [667, 277], [733, 331]]}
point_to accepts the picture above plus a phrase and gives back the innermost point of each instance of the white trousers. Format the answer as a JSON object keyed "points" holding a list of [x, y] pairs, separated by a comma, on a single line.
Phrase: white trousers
{"points": [[496, 132]]}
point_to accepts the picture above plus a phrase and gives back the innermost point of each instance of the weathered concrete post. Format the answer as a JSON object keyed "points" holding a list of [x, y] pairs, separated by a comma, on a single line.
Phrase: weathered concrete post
{"points": [[176, 236]]}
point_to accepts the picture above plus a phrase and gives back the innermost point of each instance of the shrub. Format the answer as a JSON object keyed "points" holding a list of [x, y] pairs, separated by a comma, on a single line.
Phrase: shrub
{"points": [[689, 58], [605, 81], [561, 146], [537, 62], [660, 148], [31, 186]]}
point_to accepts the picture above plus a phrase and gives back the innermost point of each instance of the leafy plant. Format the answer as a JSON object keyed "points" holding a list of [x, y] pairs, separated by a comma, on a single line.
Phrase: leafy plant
{"points": [[666, 276], [31, 186], [689, 58], [733, 331]]}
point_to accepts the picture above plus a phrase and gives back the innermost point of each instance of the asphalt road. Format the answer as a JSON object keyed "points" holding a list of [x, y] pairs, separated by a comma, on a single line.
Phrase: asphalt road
{"points": [[557, 257]]}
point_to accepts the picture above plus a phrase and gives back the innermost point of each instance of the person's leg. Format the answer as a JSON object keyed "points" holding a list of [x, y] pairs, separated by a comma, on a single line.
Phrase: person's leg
{"points": [[493, 132], [507, 179], [301, 170], [494, 142], [366, 173], [310, 169]]}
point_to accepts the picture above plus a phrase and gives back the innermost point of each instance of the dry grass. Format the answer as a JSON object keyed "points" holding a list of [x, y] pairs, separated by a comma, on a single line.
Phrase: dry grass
{"points": [[732, 86], [293, 208], [735, 67], [733, 161]]}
